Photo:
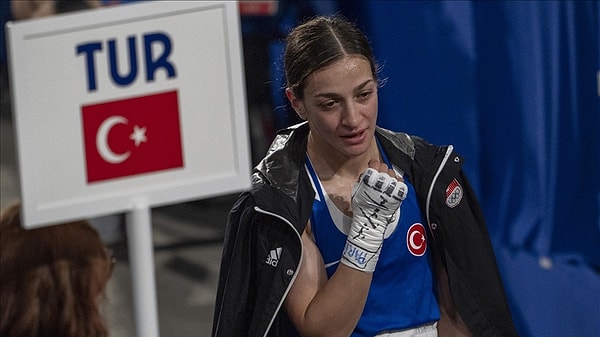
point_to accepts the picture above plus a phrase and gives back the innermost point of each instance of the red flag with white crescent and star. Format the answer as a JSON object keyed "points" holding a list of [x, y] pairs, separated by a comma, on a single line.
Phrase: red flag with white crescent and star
{"points": [[416, 239], [132, 136]]}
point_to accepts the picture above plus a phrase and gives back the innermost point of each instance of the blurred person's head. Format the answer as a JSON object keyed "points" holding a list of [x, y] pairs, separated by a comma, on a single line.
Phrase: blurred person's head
{"points": [[29, 9], [52, 279]]}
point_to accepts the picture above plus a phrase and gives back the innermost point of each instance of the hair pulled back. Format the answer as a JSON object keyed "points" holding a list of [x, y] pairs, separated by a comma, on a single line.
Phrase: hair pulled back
{"points": [[318, 43]]}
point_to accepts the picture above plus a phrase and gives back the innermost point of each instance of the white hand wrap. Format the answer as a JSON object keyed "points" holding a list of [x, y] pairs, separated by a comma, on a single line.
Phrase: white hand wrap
{"points": [[375, 199]]}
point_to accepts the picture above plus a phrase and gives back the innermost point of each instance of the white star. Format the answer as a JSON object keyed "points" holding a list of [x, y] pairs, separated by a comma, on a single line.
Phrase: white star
{"points": [[138, 135]]}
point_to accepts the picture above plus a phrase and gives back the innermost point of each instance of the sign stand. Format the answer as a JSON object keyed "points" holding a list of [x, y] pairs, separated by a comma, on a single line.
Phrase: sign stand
{"points": [[141, 262]]}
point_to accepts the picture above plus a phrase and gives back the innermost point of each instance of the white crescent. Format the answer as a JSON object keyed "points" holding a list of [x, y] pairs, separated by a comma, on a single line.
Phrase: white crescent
{"points": [[102, 140], [411, 241]]}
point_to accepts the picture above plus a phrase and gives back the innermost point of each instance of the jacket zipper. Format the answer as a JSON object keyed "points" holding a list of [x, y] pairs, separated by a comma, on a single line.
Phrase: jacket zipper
{"points": [[259, 210], [439, 170]]}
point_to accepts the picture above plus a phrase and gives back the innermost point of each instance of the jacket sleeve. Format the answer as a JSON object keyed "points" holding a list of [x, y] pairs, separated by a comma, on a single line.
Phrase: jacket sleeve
{"points": [[259, 260], [229, 318], [466, 251]]}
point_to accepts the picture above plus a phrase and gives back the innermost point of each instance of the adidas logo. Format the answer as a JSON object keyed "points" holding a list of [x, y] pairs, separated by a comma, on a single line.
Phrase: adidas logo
{"points": [[273, 257]]}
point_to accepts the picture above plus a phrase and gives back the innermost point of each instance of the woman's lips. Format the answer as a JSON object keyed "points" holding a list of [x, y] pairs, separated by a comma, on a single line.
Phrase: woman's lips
{"points": [[355, 137]]}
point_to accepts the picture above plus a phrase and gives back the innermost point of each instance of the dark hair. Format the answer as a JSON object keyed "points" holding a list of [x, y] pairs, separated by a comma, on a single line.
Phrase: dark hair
{"points": [[320, 42], [66, 6], [53, 278]]}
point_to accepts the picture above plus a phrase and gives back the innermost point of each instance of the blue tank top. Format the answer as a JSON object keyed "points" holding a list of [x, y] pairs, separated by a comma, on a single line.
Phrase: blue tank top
{"points": [[401, 294]]}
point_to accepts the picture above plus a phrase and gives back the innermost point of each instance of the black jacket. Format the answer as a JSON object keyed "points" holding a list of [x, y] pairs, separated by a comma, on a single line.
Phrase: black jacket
{"points": [[262, 248]]}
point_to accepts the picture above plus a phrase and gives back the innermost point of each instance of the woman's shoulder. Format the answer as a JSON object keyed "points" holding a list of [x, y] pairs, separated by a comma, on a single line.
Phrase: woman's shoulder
{"points": [[399, 140], [403, 137], [409, 143]]}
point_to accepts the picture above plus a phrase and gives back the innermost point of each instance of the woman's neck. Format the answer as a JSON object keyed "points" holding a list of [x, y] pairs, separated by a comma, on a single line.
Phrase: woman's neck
{"points": [[330, 163]]}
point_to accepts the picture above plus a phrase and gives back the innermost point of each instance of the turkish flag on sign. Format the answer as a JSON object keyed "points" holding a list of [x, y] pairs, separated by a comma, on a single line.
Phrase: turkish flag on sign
{"points": [[132, 136]]}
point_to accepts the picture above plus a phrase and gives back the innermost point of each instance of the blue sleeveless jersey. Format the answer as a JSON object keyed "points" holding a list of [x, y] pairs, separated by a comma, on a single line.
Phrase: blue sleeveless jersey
{"points": [[401, 294]]}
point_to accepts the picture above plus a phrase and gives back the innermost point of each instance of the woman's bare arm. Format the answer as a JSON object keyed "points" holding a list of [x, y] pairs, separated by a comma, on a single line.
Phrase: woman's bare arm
{"points": [[321, 307]]}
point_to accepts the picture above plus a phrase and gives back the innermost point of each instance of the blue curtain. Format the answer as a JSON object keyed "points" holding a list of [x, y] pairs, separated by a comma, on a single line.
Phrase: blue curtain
{"points": [[514, 85], [536, 75]]}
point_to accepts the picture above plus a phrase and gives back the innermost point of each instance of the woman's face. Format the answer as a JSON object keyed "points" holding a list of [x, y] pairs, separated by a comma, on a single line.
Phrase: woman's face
{"points": [[340, 105]]}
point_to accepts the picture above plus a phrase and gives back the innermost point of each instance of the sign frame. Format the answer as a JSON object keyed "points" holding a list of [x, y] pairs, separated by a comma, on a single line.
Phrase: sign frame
{"points": [[53, 186]]}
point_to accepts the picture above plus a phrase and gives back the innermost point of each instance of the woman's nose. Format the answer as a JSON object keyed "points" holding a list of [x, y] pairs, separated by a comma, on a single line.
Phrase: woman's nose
{"points": [[351, 115]]}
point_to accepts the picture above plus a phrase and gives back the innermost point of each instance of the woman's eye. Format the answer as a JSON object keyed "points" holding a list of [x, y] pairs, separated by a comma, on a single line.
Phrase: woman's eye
{"points": [[328, 104], [364, 95]]}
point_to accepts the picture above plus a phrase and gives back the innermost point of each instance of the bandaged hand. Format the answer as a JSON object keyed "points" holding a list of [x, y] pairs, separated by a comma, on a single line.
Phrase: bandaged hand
{"points": [[375, 199]]}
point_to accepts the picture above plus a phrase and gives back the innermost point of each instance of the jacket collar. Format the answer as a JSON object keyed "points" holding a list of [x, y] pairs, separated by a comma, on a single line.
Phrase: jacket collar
{"points": [[281, 167]]}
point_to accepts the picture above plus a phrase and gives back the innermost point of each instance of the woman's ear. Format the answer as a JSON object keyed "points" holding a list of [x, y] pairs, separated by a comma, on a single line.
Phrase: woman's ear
{"points": [[296, 103]]}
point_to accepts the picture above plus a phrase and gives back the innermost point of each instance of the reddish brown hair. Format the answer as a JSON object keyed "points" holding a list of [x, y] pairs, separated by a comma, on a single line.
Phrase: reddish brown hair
{"points": [[53, 279]]}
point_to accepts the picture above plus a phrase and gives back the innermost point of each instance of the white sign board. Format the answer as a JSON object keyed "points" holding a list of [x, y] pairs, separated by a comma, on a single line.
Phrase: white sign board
{"points": [[137, 101]]}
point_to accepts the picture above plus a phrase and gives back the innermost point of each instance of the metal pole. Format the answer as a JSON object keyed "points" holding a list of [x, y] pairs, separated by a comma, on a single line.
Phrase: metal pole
{"points": [[141, 261]]}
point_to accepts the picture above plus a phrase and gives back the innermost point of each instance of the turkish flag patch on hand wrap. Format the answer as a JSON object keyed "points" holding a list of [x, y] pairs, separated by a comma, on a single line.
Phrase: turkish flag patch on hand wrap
{"points": [[132, 136]]}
